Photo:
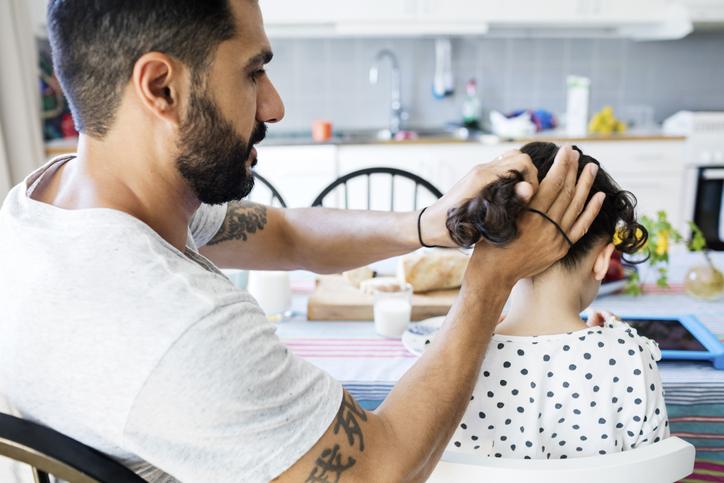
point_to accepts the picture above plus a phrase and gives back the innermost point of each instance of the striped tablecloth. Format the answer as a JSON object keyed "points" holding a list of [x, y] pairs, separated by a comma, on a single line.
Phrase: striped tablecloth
{"points": [[368, 366]]}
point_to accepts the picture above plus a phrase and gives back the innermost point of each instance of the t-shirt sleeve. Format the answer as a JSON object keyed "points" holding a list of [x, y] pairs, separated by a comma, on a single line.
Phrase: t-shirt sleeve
{"points": [[205, 223], [229, 402]]}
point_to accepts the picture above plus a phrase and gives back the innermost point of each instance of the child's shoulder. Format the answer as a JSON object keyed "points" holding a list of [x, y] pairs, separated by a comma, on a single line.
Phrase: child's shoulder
{"points": [[624, 334]]}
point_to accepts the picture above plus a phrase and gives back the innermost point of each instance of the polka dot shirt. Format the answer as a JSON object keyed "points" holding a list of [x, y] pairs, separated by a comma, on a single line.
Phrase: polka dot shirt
{"points": [[585, 393]]}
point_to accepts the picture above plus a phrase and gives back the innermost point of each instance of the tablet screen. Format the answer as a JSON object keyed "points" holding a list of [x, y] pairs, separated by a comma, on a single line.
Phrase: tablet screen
{"points": [[670, 334]]}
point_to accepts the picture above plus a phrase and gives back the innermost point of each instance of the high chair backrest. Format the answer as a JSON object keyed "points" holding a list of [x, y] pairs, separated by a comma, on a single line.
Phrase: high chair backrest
{"points": [[667, 461]]}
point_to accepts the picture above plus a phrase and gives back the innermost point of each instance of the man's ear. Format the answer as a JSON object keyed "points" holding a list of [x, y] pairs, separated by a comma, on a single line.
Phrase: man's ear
{"points": [[603, 259], [158, 84]]}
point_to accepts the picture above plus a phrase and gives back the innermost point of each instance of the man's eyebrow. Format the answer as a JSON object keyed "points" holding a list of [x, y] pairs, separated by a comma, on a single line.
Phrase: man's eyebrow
{"points": [[263, 57]]}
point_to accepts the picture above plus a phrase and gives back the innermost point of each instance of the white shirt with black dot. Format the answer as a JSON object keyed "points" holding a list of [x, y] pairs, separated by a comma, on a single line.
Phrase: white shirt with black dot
{"points": [[585, 393]]}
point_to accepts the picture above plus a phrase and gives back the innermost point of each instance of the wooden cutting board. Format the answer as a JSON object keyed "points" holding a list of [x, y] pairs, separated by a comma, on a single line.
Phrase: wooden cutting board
{"points": [[334, 298]]}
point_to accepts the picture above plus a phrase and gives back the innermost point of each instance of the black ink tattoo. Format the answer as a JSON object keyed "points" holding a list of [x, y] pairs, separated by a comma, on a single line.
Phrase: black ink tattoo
{"points": [[241, 218], [329, 467], [347, 420]]}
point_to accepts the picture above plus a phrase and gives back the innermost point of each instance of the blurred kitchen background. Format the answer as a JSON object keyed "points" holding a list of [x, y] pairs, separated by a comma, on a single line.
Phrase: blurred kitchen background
{"points": [[329, 78], [392, 83]]}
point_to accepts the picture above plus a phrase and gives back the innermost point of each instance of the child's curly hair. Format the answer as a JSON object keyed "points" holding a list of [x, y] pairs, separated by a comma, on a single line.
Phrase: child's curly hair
{"points": [[493, 214]]}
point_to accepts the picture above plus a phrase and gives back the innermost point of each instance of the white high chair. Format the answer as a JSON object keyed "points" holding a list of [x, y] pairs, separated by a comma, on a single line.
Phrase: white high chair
{"points": [[664, 462]]}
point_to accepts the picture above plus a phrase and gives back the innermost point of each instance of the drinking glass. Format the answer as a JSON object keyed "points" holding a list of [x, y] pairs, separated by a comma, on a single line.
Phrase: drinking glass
{"points": [[273, 293], [392, 309]]}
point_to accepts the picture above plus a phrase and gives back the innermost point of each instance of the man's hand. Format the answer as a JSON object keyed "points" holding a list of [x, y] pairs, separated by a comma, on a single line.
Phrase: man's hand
{"points": [[539, 243], [432, 224]]}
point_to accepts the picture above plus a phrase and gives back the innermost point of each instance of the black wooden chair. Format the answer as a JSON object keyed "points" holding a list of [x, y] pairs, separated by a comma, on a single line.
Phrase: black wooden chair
{"points": [[269, 187], [413, 180], [50, 452]]}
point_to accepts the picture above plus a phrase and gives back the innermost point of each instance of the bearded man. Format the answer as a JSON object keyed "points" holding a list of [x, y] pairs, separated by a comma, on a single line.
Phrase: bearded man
{"points": [[118, 329]]}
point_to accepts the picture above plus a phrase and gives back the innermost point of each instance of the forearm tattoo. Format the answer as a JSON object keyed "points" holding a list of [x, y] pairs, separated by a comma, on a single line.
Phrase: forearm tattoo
{"points": [[329, 467], [242, 218]]}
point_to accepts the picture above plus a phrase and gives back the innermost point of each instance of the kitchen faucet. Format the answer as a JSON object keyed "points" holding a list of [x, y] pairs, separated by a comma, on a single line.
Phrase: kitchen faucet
{"points": [[397, 115]]}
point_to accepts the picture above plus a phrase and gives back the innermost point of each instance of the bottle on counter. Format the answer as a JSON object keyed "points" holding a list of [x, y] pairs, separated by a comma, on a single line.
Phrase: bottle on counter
{"points": [[471, 106], [577, 110]]}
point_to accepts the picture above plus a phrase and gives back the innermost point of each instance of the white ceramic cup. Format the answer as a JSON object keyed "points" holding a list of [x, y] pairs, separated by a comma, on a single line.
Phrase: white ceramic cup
{"points": [[272, 291], [392, 308]]}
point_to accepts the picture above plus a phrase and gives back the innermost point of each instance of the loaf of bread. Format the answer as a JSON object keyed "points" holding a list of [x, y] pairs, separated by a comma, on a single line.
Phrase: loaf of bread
{"points": [[433, 268], [368, 286], [358, 275]]}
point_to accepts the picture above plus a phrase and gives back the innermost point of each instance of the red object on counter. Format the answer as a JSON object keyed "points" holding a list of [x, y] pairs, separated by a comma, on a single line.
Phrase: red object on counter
{"points": [[67, 126], [321, 130]]}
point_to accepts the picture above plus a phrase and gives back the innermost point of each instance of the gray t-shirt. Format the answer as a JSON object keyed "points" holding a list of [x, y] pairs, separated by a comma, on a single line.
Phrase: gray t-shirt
{"points": [[113, 337]]}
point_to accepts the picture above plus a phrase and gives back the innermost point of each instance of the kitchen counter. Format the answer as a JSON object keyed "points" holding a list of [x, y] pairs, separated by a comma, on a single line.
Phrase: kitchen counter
{"points": [[458, 136], [426, 136]]}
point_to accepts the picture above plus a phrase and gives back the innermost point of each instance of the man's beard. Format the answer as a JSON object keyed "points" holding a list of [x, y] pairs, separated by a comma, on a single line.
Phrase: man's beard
{"points": [[212, 156]]}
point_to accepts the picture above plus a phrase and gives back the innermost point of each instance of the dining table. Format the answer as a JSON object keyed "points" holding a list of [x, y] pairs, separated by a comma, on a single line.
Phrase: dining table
{"points": [[369, 365]]}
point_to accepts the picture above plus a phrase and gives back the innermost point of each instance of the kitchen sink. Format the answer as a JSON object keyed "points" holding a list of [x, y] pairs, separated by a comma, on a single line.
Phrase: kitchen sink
{"points": [[375, 136]]}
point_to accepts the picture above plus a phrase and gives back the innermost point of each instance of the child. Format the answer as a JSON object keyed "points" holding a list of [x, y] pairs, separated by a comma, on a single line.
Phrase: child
{"points": [[550, 385]]}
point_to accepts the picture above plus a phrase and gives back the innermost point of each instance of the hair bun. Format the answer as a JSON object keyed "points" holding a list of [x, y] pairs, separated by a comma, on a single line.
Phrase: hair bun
{"points": [[491, 215]]}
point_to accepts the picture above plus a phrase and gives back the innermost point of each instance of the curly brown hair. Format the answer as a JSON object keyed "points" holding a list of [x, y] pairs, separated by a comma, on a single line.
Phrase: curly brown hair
{"points": [[492, 215]]}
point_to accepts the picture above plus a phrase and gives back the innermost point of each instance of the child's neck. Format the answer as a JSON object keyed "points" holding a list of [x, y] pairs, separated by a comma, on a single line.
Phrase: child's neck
{"points": [[544, 306]]}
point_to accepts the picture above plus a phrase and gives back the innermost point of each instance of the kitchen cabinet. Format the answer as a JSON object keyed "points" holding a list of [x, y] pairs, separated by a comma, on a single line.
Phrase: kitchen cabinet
{"points": [[441, 164], [432, 17], [652, 170], [298, 173], [376, 11], [583, 11]]}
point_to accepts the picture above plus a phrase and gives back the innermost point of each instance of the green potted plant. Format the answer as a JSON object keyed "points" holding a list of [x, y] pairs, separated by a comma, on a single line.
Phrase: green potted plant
{"points": [[702, 281]]}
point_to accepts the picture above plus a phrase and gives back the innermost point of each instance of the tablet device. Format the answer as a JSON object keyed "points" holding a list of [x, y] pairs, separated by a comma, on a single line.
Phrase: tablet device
{"points": [[681, 337]]}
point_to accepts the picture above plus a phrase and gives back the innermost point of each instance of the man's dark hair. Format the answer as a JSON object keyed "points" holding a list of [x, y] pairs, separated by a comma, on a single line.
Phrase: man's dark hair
{"points": [[492, 215], [96, 43]]}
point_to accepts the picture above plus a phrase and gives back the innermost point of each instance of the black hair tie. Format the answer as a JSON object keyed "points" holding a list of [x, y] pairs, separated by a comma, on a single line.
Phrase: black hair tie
{"points": [[554, 224], [419, 232]]}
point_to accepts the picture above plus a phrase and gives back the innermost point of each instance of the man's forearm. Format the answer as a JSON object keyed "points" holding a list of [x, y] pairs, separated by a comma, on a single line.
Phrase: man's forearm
{"points": [[331, 240], [322, 240], [424, 407]]}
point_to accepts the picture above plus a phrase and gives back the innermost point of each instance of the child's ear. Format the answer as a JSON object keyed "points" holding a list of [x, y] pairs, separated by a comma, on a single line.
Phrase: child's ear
{"points": [[600, 266]]}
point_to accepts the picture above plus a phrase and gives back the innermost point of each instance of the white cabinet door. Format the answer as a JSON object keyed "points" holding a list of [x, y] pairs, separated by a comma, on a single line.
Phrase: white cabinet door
{"points": [[626, 11], [550, 11], [295, 12], [331, 11], [566, 12], [652, 170], [299, 173], [654, 194], [649, 158], [460, 10], [443, 165]]}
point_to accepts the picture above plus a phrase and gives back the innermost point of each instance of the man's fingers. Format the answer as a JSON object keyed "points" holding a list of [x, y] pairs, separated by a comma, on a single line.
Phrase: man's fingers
{"points": [[555, 181], [524, 190], [580, 227], [568, 190], [578, 203]]}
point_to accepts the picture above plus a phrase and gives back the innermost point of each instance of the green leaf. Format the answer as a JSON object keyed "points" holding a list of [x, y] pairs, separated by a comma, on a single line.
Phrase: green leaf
{"points": [[632, 288], [697, 242]]}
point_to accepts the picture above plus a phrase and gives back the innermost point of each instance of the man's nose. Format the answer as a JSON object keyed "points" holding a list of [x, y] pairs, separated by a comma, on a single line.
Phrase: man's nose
{"points": [[270, 107]]}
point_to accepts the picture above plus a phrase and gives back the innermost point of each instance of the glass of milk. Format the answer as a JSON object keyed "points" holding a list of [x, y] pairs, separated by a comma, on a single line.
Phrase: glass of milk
{"points": [[392, 308], [273, 293]]}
